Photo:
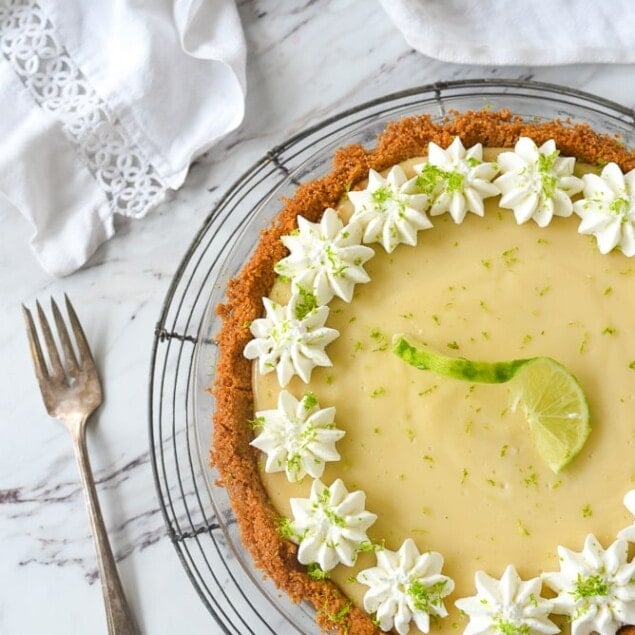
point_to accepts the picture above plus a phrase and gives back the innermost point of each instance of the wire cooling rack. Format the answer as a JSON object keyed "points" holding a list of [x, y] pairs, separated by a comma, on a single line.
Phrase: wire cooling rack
{"points": [[197, 514]]}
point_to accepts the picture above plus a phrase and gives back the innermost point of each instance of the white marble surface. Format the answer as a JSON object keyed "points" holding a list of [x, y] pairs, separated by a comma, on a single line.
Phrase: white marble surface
{"points": [[299, 71]]}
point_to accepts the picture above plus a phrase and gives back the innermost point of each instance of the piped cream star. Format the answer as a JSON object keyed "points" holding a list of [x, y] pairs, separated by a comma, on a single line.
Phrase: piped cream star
{"points": [[389, 209], [298, 436], [330, 526], [326, 258], [595, 587], [628, 533], [536, 182], [291, 338], [405, 586], [507, 606], [608, 209], [456, 180]]}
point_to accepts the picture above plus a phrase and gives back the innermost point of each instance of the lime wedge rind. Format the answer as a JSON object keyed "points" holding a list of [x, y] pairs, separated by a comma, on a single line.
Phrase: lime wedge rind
{"points": [[456, 367]]}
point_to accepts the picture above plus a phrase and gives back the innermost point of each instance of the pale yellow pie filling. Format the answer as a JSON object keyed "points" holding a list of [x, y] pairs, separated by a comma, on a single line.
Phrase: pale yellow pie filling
{"points": [[445, 462]]}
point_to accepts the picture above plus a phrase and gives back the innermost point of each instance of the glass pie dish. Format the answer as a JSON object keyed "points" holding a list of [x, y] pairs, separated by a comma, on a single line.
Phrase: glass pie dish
{"points": [[198, 514]]}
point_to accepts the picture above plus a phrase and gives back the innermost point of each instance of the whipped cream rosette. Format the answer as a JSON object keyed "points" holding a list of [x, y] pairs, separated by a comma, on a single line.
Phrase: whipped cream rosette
{"points": [[628, 533], [595, 587], [456, 180], [508, 605], [608, 209], [298, 436], [290, 339], [325, 258], [536, 182], [330, 526], [406, 586], [390, 210]]}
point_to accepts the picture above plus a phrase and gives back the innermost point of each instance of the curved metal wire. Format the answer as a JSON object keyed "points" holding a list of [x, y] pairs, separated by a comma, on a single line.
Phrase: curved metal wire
{"points": [[203, 537]]}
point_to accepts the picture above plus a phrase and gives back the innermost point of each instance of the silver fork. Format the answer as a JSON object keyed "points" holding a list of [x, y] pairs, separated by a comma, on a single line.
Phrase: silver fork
{"points": [[72, 392]]}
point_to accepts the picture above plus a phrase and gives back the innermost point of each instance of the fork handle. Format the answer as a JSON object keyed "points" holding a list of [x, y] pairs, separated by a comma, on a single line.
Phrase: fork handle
{"points": [[118, 614]]}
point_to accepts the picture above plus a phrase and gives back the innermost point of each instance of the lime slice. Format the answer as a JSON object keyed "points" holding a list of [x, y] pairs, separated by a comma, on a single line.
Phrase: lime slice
{"points": [[551, 398], [555, 407]]}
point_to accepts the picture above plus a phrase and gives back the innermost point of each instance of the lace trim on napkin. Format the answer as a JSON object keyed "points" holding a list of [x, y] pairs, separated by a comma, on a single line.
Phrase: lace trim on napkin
{"points": [[29, 43]]}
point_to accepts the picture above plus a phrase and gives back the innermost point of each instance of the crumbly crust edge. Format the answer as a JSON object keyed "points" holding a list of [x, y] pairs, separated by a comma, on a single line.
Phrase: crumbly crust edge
{"points": [[231, 454]]}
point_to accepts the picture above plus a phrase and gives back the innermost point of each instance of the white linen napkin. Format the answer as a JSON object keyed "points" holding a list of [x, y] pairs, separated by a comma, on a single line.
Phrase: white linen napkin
{"points": [[103, 106], [504, 32]]}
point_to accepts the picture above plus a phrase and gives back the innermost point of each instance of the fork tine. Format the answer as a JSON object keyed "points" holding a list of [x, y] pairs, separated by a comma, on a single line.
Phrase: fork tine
{"points": [[82, 343], [34, 344], [67, 346], [57, 370]]}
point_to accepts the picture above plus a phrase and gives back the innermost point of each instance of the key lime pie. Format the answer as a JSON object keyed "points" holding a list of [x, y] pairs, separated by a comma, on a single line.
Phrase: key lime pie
{"points": [[425, 395]]}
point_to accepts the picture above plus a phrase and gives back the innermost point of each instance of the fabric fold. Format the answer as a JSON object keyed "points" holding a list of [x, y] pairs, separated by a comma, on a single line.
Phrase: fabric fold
{"points": [[103, 106], [499, 32]]}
